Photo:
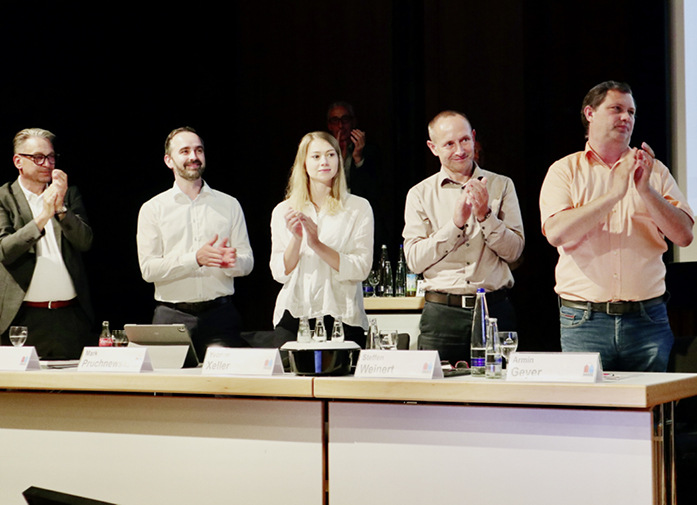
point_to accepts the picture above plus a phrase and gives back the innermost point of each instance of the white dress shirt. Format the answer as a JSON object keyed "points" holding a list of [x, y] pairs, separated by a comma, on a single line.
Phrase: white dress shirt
{"points": [[313, 288], [51, 280], [172, 227]]}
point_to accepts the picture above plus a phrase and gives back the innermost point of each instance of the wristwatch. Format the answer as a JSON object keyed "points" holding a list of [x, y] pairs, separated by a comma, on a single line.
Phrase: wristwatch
{"points": [[486, 216], [62, 210]]}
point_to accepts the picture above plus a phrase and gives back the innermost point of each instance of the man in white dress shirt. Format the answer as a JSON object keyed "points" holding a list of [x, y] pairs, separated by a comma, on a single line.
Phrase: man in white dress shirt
{"points": [[192, 243]]}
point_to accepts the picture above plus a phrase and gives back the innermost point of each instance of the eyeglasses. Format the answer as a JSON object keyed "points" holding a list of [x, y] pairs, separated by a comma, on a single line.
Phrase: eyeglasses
{"points": [[40, 159], [343, 119]]}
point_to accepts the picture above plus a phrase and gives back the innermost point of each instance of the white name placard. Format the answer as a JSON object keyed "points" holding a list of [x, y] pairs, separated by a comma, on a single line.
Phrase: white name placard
{"points": [[554, 367], [235, 361], [115, 359], [19, 359], [399, 365]]}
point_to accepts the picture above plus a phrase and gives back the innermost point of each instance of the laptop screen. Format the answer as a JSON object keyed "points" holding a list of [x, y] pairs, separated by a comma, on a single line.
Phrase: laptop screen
{"points": [[159, 335]]}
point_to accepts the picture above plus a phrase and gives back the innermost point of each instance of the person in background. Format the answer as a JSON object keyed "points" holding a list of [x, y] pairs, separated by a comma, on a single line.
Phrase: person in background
{"points": [[43, 232], [462, 230], [192, 243], [361, 168], [608, 210], [321, 243]]}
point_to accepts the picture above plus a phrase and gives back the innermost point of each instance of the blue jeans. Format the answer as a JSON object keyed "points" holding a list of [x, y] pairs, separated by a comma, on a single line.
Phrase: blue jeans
{"points": [[639, 341]]}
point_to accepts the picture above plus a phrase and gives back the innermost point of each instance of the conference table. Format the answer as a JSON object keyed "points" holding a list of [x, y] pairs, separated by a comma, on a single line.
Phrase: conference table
{"points": [[180, 437]]}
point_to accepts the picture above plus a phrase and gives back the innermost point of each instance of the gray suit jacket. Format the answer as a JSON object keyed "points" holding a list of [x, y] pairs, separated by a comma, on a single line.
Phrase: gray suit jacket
{"points": [[18, 236]]}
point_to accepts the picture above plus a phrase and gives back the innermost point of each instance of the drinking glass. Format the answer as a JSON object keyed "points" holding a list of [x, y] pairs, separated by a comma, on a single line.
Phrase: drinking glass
{"points": [[304, 331], [120, 338], [509, 343], [374, 280], [338, 330], [388, 340], [18, 335], [320, 332]]}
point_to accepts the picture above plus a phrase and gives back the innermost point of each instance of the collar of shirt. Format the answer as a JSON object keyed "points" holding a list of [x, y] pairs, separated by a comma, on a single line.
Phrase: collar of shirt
{"points": [[444, 180], [32, 198], [206, 190], [591, 154]]}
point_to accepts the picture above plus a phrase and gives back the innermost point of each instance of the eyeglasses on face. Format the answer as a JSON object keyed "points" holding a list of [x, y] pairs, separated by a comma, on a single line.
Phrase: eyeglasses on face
{"points": [[40, 159], [343, 119]]}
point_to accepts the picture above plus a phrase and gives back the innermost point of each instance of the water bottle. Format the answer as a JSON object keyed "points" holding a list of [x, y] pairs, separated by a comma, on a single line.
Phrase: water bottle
{"points": [[400, 277], [338, 330], [105, 337], [388, 280], [304, 332], [383, 261], [320, 333], [479, 328], [493, 350], [367, 289], [373, 340]]}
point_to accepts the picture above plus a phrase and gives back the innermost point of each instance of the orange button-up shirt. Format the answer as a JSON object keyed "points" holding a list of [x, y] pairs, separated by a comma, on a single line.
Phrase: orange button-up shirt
{"points": [[620, 259]]}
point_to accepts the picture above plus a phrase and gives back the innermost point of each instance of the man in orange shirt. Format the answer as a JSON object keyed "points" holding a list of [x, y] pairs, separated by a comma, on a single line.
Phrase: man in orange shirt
{"points": [[609, 210]]}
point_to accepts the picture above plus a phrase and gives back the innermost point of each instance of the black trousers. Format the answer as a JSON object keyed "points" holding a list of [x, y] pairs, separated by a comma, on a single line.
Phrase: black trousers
{"points": [[448, 330], [218, 326], [56, 333]]}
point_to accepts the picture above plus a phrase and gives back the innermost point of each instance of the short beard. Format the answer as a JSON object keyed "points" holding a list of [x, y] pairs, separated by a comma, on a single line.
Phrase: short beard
{"points": [[191, 174]]}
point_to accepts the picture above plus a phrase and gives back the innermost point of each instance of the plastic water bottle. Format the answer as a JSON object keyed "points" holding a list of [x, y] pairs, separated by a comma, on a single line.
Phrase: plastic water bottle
{"points": [[493, 350], [479, 328]]}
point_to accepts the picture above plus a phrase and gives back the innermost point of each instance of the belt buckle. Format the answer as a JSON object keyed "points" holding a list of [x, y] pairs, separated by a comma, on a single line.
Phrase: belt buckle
{"points": [[465, 299], [611, 312]]}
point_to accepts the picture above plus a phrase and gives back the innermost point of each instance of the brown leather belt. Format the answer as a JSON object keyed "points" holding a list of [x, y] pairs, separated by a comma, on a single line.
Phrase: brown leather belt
{"points": [[613, 308], [58, 304], [462, 301]]}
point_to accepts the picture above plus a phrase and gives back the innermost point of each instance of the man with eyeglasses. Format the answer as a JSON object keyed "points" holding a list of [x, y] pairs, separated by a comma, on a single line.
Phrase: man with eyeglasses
{"points": [[43, 232], [192, 243], [361, 165]]}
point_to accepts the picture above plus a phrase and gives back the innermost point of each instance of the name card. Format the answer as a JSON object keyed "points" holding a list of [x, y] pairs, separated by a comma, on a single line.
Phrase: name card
{"points": [[115, 359], [235, 361], [19, 359], [399, 365], [554, 367]]}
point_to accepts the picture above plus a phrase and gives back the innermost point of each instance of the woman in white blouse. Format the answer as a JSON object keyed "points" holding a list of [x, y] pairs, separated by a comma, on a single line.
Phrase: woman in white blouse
{"points": [[321, 243]]}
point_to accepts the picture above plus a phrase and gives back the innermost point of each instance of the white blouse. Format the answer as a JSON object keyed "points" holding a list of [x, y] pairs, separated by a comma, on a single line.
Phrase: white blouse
{"points": [[313, 288]]}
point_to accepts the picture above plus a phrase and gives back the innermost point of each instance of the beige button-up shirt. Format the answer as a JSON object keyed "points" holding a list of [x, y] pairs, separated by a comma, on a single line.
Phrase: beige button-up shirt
{"points": [[460, 261]]}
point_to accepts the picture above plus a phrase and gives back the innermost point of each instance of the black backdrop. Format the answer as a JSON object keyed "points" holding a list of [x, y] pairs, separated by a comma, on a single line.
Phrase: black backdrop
{"points": [[252, 77]]}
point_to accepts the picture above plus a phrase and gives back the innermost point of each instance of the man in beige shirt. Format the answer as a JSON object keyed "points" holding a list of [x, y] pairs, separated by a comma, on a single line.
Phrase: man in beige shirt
{"points": [[462, 230], [609, 209]]}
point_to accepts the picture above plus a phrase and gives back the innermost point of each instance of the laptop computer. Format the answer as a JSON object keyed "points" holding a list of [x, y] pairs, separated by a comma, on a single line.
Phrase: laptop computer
{"points": [[169, 345]]}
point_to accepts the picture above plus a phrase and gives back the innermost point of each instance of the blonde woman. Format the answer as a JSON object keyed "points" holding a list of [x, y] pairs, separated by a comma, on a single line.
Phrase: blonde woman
{"points": [[321, 243]]}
